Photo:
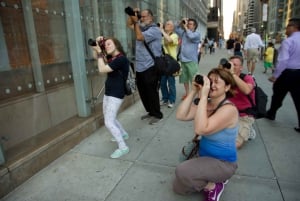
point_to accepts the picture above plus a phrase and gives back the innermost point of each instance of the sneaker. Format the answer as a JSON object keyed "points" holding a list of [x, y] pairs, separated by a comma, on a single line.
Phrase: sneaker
{"points": [[125, 137], [119, 152], [214, 194], [146, 116], [154, 120], [162, 103], [252, 133], [170, 105]]}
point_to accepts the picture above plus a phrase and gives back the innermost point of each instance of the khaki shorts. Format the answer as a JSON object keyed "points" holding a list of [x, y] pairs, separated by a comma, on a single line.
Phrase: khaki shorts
{"points": [[188, 71], [245, 124], [253, 54]]}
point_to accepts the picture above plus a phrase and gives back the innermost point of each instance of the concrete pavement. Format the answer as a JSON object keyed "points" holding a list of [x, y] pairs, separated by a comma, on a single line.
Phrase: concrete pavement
{"points": [[269, 166]]}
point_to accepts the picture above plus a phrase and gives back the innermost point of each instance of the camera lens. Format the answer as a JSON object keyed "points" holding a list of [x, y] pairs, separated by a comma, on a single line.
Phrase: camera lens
{"points": [[92, 42], [199, 79], [224, 63]]}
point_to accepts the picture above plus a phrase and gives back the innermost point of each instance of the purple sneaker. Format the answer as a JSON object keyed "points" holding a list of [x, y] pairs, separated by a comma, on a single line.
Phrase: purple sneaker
{"points": [[215, 194]]}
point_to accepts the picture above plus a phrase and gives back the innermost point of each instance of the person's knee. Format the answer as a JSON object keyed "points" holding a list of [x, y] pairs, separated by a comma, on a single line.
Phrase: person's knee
{"points": [[239, 142]]}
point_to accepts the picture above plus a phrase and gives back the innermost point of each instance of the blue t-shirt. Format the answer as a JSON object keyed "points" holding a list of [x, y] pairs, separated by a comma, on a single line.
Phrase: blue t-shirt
{"points": [[220, 145], [153, 38], [115, 82], [189, 45]]}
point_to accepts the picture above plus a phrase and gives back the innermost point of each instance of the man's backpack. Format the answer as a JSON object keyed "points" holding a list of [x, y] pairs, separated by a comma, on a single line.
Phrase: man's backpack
{"points": [[130, 82], [258, 110]]}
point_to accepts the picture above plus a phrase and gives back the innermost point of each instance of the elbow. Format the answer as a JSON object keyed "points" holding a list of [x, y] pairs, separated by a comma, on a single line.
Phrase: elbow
{"points": [[139, 38], [179, 116]]}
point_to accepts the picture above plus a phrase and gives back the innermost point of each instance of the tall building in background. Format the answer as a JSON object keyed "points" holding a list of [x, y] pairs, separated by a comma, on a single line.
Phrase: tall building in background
{"points": [[215, 20], [240, 18], [276, 19]]}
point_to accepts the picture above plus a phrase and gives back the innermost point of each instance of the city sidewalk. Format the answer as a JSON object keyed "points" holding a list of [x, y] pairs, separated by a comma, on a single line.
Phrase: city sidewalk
{"points": [[269, 166]]}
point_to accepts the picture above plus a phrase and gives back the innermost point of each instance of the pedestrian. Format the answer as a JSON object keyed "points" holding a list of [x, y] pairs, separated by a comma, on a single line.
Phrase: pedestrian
{"points": [[244, 87], [230, 44], [206, 45], [211, 46], [269, 55], [216, 121], [252, 47], [200, 51], [112, 61], [286, 77], [188, 56], [237, 47], [170, 45], [147, 78]]}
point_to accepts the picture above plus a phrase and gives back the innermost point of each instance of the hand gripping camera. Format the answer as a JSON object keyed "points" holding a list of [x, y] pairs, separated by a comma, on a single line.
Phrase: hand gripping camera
{"points": [[101, 43], [129, 11]]}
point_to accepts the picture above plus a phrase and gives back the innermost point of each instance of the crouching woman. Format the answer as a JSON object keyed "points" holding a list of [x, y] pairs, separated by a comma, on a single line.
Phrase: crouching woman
{"points": [[216, 121]]}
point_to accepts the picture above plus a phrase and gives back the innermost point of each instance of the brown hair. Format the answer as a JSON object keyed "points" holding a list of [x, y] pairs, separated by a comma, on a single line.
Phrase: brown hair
{"points": [[117, 44], [227, 77]]}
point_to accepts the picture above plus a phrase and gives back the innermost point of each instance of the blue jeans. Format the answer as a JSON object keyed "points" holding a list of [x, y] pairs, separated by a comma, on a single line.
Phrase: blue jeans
{"points": [[168, 89]]}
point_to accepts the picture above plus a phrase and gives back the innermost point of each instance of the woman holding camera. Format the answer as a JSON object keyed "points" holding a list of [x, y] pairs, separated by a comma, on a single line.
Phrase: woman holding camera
{"points": [[112, 60], [216, 121]]}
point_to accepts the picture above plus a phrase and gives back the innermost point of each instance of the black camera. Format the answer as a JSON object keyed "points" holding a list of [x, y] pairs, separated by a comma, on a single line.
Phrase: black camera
{"points": [[224, 63], [101, 43], [129, 11], [199, 79]]}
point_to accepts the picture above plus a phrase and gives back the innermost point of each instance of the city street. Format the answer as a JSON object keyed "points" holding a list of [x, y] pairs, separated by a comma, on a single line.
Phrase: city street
{"points": [[269, 166]]}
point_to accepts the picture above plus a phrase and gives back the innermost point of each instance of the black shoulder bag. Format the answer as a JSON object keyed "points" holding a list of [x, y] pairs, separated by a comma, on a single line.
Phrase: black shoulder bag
{"points": [[164, 64]]}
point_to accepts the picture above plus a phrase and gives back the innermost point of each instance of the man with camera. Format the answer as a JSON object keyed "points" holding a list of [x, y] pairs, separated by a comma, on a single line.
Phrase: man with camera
{"points": [[244, 87], [146, 32], [188, 51]]}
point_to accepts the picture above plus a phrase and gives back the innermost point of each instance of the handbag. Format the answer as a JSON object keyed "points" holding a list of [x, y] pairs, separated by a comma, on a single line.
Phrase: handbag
{"points": [[164, 64], [190, 149]]}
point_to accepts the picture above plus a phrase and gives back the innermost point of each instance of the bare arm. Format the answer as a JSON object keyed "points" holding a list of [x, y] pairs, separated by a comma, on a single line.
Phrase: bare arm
{"points": [[187, 109]]}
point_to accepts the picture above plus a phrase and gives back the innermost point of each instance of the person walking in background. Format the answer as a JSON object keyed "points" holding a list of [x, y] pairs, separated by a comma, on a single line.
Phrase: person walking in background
{"points": [[237, 47], [216, 121], [147, 78], [269, 55], [188, 56], [286, 77], [115, 64], [252, 47], [170, 44], [200, 51], [230, 44], [206, 45]]}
